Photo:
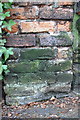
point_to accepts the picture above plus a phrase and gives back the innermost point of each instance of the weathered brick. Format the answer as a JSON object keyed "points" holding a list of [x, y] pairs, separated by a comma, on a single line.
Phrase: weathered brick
{"points": [[65, 52], [39, 77], [16, 54], [14, 29], [47, 12], [21, 40], [77, 78], [64, 26], [24, 94], [37, 53], [62, 39], [76, 67], [27, 78], [28, 27], [40, 65], [65, 3], [76, 58], [24, 13], [51, 2]]}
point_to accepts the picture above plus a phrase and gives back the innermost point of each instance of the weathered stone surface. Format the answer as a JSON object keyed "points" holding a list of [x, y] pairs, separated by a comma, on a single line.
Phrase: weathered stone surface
{"points": [[30, 93], [30, 87], [24, 13], [76, 67], [33, 27], [47, 12], [21, 40], [38, 3], [64, 26], [50, 40], [37, 53], [58, 87], [65, 3], [77, 78], [65, 53], [27, 78], [39, 77], [40, 65], [16, 54], [76, 58]]}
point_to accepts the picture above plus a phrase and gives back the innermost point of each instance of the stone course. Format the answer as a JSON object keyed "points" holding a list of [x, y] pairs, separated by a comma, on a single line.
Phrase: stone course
{"points": [[42, 41]]}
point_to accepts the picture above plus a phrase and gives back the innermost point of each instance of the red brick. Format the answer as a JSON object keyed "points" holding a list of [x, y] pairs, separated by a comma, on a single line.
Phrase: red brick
{"points": [[21, 40], [63, 26], [24, 13], [48, 26], [47, 12], [65, 3]]}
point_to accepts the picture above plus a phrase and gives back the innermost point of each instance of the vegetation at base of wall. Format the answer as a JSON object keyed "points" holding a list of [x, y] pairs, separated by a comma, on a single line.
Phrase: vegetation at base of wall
{"points": [[76, 33], [4, 52]]}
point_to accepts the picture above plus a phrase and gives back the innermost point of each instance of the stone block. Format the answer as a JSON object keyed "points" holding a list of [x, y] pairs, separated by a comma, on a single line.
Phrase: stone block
{"points": [[37, 53], [48, 12], [24, 13], [63, 39], [21, 40], [40, 65], [35, 26]]}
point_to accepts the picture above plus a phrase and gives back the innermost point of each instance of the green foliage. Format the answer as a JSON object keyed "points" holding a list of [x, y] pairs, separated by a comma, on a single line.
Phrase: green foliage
{"points": [[75, 32], [4, 52]]}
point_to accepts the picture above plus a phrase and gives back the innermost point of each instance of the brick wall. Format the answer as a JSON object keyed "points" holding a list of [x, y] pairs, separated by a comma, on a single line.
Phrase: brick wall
{"points": [[41, 66]]}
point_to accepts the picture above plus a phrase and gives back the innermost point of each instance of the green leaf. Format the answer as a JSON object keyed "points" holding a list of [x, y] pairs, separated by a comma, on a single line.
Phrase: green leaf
{"points": [[75, 32], [11, 22], [4, 15], [7, 14], [2, 41], [11, 1], [1, 9], [1, 22], [0, 30], [7, 71], [4, 67], [7, 5], [8, 25], [1, 69]]}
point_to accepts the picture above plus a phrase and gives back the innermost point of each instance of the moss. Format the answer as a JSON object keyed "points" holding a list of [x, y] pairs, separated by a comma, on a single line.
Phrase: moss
{"points": [[66, 40], [40, 65], [37, 53], [75, 32]]}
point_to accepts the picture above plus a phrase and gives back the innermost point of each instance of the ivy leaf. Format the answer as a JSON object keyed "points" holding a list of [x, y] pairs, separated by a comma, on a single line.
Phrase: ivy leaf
{"points": [[0, 30], [2, 41], [11, 22], [7, 5], [1, 22], [4, 67], [8, 25], [7, 71], [10, 1], [1, 9], [7, 14], [4, 15], [1, 69]]}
